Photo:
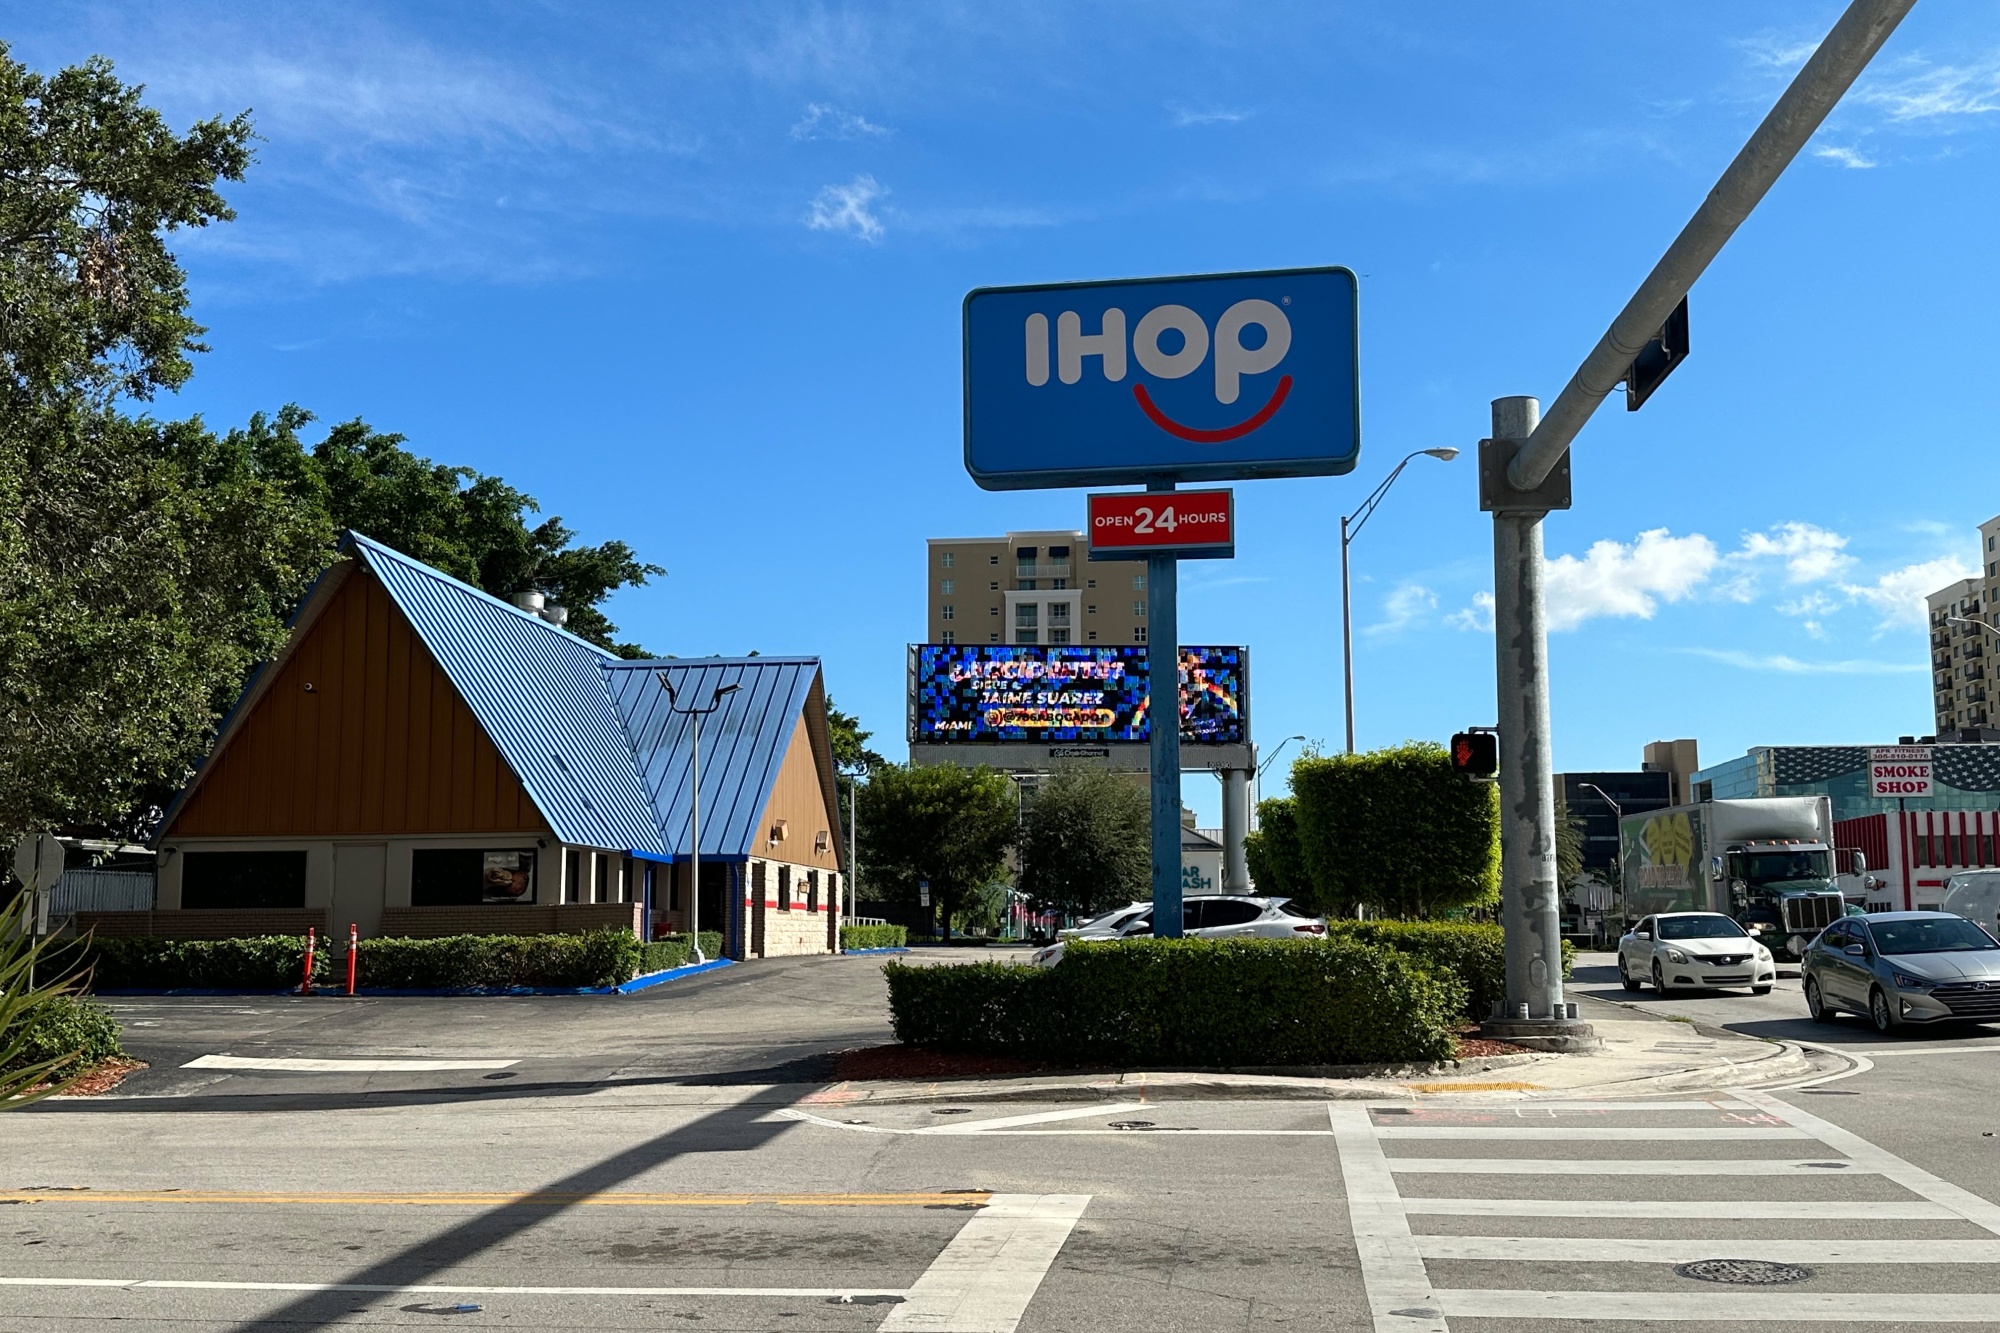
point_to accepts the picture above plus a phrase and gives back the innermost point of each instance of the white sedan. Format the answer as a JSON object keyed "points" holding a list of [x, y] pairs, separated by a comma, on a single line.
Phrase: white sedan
{"points": [[1203, 916], [1698, 950]]}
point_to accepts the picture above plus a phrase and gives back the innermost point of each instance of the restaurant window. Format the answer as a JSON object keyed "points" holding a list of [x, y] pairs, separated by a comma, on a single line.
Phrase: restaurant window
{"points": [[812, 890], [784, 888], [468, 877], [243, 879], [572, 886], [600, 876]]}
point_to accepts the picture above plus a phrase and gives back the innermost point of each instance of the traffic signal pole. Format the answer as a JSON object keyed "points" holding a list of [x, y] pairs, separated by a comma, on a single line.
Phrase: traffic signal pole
{"points": [[1524, 473]]}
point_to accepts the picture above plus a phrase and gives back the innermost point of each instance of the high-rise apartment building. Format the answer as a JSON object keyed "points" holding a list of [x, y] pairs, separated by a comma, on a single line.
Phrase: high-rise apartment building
{"points": [[1962, 652], [1032, 587]]}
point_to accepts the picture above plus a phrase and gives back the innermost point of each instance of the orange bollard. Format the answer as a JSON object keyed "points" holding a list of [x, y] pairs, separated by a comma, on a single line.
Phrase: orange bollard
{"points": [[353, 947], [306, 985]]}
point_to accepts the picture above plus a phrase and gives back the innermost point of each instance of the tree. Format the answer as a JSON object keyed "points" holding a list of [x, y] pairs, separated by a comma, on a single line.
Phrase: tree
{"points": [[1085, 842], [1397, 830], [851, 754], [943, 823], [1277, 859], [1569, 843]]}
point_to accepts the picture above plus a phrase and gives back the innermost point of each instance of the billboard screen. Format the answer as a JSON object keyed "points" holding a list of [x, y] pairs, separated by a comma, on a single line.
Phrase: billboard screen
{"points": [[1070, 692]]}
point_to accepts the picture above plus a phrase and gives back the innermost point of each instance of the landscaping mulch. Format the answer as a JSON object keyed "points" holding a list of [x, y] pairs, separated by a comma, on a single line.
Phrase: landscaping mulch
{"points": [[1471, 1047]]}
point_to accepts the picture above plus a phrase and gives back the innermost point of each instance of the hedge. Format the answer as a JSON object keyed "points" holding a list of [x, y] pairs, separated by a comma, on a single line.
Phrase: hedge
{"points": [[148, 962], [1202, 1003], [874, 937], [661, 954], [65, 1026], [1475, 954]]}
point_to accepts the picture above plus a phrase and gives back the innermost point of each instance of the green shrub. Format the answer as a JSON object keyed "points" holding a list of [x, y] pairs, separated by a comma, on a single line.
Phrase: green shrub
{"points": [[1474, 953], [148, 962], [1187, 1002], [1398, 829], [64, 1026], [874, 937], [597, 958], [661, 954]]}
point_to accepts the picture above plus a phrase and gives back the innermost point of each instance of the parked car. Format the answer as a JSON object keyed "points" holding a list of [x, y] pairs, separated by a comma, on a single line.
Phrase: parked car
{"points": [[1217, 916], [1110, 925], [1693, 949], [1974, 895], [1900, 968]]}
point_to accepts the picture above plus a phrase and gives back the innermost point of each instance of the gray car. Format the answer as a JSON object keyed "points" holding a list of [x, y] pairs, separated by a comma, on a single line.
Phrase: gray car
{"points": [[1900, 968]]}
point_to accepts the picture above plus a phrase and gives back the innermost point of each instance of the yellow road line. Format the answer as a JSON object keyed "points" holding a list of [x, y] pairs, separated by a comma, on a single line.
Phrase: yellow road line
{"points": [[532, 1198]]}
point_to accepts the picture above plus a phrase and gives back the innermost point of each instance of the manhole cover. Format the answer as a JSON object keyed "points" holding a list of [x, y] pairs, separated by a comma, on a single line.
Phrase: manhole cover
{"points": [[953, 1110], [1744, 1272], [1132, 1124]]}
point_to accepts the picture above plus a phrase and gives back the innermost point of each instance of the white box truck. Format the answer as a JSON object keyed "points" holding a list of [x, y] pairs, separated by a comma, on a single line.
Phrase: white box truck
{"points": [[1766, 861]]}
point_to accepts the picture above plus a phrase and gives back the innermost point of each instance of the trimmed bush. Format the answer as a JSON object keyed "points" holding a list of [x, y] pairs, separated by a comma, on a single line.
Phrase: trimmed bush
{"points": [[453, 962], [673, 951], [874, 937], [1474, 953], [147, 962], [1203, 1003], [65, 1026]]}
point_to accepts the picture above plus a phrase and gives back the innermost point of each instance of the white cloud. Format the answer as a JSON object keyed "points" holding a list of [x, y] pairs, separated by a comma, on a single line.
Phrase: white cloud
{"points": [[1405, 607], [1931, 92], [1613, 579], [1187, 116], [845, 208], [1792, 666], [1810, 553], [1899, 594], [1845, 157], [1478, 617], [825, 121]]}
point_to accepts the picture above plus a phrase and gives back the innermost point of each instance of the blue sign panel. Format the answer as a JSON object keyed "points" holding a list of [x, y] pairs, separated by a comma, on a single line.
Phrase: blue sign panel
{"points": [[1190, 379]]}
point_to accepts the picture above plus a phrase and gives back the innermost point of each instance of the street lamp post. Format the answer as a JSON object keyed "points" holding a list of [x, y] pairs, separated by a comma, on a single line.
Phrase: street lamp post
{"points": [[1257, 778], [1350, 528], [1617, 810], [695, 713]]}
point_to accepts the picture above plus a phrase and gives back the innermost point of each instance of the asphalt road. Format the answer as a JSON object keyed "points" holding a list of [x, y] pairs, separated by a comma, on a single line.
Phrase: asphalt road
{"points": [[677, 1199]]}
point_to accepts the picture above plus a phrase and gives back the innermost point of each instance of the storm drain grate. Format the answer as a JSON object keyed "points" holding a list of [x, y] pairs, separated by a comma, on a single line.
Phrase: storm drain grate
{"points": [[1132, 1124], [953, 1110], [1744, 1272]]}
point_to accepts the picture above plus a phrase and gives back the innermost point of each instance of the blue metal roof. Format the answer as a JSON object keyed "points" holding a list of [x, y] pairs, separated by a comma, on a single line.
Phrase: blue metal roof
{"points": [[743, 743], [540, 694]]}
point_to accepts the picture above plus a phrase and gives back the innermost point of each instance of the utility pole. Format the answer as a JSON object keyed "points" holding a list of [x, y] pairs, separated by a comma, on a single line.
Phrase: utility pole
{"points": [[1524, 473], [695, 714]]}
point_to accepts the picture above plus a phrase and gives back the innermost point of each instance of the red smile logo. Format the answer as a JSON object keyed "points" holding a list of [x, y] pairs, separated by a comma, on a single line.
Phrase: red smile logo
{"points": [[1223, 435]]}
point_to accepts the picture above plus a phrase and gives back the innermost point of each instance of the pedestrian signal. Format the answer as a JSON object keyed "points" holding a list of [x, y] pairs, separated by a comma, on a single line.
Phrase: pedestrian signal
{"points": [[1476, 754]]}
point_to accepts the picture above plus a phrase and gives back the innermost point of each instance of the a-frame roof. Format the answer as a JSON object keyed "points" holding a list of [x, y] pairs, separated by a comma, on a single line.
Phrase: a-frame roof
{"points": [[585, 731]]}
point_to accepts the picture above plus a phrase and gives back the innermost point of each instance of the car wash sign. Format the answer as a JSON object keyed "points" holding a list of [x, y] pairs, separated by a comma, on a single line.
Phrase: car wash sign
{"points": [[1163, 379]]}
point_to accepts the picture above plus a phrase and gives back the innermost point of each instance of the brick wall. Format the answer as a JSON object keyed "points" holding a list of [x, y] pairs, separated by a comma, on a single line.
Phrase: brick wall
{"points": [[777, 932], [205, 923], [510, 919]]}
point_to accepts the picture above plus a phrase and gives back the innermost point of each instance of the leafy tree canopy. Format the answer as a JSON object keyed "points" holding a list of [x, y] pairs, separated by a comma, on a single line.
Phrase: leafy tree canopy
{"points": [[851, 754], [937, 822], [1277, 859], [1085, 842], [1397, 830], [91, 181]]}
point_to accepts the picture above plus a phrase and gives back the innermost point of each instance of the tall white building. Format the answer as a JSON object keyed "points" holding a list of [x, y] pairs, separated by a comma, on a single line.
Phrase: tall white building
{"points": [[1964, 655]]}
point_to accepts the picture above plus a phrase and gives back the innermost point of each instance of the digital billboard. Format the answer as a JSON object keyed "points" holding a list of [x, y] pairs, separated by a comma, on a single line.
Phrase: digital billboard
{"points": [[1070, 692]]}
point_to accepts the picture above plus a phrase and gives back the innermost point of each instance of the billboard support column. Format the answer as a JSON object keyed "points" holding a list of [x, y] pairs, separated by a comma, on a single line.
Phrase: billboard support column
{"points": [[1163, 717]]}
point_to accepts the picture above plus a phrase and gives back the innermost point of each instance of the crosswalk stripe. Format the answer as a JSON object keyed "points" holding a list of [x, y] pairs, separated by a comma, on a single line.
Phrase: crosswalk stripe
{"points": [[1721, 1209], [1790, 1306], [1612, 1166], [1533, 1107], [1399, 1288], [1617, 1250], [1601, 1133]]}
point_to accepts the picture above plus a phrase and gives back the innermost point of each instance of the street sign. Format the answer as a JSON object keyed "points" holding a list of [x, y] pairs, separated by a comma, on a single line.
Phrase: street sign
{"points": [[1207, 378], [38, 861], [1657, 359], [1476, 755], [1902, 771], [1193, 525], [923, 893]]}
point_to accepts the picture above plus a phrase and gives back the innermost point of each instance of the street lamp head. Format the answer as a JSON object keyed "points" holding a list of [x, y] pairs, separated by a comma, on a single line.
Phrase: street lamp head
{"points": [[721, 690], [1444, 454]]}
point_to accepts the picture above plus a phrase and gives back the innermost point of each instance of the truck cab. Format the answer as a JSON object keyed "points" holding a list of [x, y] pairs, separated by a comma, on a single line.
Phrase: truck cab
{"points": [[1783, 892]]}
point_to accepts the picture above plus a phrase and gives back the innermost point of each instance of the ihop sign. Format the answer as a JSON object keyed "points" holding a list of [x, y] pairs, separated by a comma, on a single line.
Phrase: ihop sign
{"points": [[1216, 378]]}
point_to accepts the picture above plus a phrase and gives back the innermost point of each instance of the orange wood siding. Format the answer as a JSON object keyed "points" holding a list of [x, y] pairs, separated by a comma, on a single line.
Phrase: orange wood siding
{"points": [[382, 744], [799, 800]]}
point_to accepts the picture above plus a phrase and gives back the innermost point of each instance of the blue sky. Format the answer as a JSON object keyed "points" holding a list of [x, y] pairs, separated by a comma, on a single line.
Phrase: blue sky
{"points": [[691, 275]]}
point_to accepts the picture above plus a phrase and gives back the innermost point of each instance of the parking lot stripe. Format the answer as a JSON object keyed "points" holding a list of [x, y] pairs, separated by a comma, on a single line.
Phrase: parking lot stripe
{"points": [[1790, 1306], [473, 1199], [436, 1289], [1617, 1250], [991, 1270], [301, 1065], [1399, 1289], [1720, 1209], [1612, 1166], [1602, 1133]]}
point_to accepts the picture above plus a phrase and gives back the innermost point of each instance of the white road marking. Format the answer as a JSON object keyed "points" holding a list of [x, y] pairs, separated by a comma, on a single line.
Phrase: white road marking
{"points": [[436, 1289], [1525, 1105], [1619, 1250], [1038, 1118], [992, 1268], [1881, 1161], [1602, 1133], [1392, 1270], [1612, 1166], [975, 1129], [299, 1065], [1719, 1209], [1736, 1305], [1880, 1051]]}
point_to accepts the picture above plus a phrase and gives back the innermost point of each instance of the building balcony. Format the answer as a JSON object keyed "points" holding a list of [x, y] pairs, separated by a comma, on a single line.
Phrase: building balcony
{"points": [[1043, 569]]}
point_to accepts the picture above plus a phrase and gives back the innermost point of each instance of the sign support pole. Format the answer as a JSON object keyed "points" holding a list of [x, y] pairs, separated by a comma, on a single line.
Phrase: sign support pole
{"points": [[1163, 718]]}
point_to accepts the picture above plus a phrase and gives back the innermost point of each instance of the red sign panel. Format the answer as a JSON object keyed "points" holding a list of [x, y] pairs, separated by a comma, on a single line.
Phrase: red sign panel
{"points": [[1190, 524]]}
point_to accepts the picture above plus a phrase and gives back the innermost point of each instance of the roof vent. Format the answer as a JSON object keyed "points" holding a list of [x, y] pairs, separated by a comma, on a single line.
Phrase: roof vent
{"points": [[539, 606]]}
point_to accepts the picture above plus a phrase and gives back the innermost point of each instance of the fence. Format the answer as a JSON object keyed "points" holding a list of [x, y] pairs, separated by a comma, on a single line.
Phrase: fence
{"points": [[102, 891]]}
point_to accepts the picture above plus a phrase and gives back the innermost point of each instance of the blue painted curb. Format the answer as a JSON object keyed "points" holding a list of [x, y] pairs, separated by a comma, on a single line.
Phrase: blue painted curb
{"points": [[893, 948], [645, 982], [652, 979]]}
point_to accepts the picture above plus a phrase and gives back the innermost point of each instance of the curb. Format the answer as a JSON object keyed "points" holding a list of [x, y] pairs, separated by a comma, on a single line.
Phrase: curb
{"points": [[639, 983]]}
